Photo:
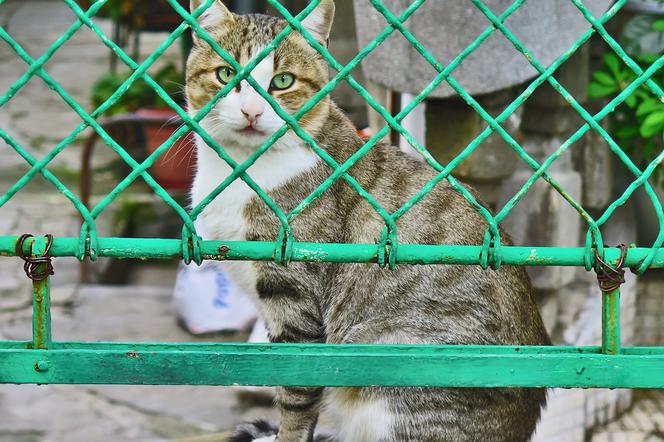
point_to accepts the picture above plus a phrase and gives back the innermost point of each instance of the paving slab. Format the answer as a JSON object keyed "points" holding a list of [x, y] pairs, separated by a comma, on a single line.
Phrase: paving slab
{"points": [[644, 421]]}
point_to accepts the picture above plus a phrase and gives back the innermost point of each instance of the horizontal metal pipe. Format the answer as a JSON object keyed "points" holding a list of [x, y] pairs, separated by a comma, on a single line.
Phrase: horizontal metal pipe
{"points": [[331, 365], [150, 248]]}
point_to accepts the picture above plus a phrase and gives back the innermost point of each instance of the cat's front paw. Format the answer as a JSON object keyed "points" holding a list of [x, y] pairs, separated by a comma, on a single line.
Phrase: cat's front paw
{"points": [[258, 431]]}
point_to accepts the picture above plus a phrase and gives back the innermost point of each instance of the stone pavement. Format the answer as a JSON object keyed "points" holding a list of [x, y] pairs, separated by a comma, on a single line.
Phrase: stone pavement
{"points": [[643, 422]]}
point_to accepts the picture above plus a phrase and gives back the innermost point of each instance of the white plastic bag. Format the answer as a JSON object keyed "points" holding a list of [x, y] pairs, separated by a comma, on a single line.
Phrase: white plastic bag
{"points": [[207, 300], [259, 332]]}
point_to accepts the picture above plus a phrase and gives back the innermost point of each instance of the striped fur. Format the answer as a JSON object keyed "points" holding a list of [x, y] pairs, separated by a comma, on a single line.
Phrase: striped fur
{"points": [[356, 303]]}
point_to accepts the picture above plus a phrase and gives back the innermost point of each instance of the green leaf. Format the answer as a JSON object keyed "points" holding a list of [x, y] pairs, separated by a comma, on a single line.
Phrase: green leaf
{"points": [[627, 132], [604, 78], [649, 106], [646, 60], [642, 94], [612, 61], [631, 101], [653, 124], [596, 90], [648, 149], [658, 25]]}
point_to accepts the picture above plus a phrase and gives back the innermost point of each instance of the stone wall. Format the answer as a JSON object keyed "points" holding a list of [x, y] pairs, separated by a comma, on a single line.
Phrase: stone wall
{"points": [[547, 28], [649, 328]]}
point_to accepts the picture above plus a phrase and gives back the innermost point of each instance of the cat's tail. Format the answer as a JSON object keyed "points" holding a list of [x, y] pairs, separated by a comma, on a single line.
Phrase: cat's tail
{"points": [[262, 431]]}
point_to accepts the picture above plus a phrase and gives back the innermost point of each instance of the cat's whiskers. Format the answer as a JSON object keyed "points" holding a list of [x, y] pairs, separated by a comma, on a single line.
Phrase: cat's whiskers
{"points": [[172, 120], [215, 130], [188, 146], [191, 156], [168, 123]]}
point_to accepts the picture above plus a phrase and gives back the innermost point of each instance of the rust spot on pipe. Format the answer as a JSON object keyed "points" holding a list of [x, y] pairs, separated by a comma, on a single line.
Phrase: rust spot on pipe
{"points": [[133, 354], [223, 250], [41, 315]]}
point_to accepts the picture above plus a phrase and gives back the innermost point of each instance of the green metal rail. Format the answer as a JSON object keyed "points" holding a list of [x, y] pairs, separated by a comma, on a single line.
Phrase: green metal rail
{"points": [[45, 361]]}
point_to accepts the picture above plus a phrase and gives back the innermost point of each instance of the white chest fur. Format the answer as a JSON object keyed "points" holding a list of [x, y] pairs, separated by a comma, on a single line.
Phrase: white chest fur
{"points": [[223, 218]]}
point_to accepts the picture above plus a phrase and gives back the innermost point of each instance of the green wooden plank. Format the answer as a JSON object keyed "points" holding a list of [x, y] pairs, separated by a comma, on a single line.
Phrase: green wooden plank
{"points": [[334, 365]]}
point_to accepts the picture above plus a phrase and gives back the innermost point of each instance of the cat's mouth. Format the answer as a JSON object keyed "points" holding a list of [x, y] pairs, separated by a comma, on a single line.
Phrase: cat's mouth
{"points": [[250, 130]]}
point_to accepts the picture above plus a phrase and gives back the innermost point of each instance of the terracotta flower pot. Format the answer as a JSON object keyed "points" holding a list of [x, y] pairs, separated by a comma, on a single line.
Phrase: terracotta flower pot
{"points": [[174, 169]]}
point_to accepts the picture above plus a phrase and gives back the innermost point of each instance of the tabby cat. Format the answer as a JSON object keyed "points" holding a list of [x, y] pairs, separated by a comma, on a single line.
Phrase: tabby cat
{"points": [[350, 303]]}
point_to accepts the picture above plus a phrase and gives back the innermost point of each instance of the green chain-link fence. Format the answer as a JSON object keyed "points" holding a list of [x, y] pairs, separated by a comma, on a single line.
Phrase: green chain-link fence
{"points": [[45, 361]]}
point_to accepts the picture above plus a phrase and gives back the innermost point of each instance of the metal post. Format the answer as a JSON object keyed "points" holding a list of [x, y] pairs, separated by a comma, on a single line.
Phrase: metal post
{"points": [[610, 276], [41, 317], [36, 254], [611, 322]]}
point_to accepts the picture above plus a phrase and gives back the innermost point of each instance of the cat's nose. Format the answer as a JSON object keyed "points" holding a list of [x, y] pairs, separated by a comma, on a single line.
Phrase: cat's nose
{"points": [[252, 114]]}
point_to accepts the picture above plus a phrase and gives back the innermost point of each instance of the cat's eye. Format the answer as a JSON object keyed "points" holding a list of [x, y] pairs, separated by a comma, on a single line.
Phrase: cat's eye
{"points": [[282, 81], [225, 74]]}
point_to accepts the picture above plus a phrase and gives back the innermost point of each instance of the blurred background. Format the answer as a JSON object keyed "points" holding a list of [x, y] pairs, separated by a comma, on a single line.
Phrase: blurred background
{"points": [[127, 300]]}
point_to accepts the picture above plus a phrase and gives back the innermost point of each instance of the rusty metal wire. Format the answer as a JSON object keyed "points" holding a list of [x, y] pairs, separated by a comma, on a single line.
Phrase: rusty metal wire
{"points": [[36, 268], [609, 277]]}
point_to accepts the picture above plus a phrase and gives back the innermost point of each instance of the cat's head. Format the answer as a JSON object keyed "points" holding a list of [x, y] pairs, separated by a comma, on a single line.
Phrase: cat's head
{"points": [[292, 73]]}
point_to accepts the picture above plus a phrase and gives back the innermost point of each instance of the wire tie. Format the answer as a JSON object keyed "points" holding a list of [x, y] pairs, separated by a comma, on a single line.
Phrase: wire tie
{"points": [[609, 277], [36, 268]]}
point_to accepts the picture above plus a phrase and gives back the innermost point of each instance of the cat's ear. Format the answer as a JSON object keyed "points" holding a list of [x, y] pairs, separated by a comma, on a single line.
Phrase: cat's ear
{"points": [[319, 21], [213, 17]]}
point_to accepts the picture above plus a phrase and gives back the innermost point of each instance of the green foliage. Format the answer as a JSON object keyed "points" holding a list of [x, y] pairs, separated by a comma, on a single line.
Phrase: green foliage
{"points": [[126, 10], [118, 9], [139, 94], [638, 123]]}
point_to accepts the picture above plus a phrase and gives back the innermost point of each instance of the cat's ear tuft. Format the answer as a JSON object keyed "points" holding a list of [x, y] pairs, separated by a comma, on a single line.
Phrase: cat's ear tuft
{"points": [[214, 16], [319, 21]]}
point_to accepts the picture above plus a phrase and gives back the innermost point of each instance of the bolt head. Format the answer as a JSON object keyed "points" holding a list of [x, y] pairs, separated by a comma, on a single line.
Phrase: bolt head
{"points": [[42, 365]]}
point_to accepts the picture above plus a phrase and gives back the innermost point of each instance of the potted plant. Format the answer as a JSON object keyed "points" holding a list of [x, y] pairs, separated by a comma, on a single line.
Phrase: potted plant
{"points": [[142, 104], [153, 15]]}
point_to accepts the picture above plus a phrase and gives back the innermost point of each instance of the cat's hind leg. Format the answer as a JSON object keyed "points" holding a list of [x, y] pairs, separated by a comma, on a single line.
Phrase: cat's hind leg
{"points": [[360, 416], [292, 316], [257, 431], [261, 431]]}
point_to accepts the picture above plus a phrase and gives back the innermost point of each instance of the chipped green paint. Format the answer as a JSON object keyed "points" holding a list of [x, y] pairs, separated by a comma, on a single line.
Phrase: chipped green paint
{"points": [[41, 296], [154, 248], [611, 322], [331, 365], [45, 361], [41, 318]]}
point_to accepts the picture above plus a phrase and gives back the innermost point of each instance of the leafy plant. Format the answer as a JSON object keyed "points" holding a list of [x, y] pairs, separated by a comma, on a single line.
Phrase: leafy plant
{"points": [[138, 13], [139, 94], [118, 9], [638, 123]]}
